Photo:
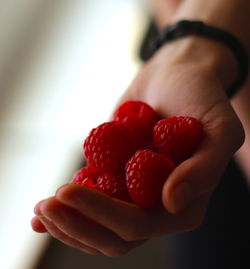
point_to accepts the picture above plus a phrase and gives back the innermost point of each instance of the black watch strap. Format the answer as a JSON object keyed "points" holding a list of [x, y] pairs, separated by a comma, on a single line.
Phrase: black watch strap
{"points": [[185, 28]]}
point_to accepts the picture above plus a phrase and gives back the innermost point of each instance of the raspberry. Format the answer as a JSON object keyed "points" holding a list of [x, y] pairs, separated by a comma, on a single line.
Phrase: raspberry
{"points": [[108, 147], [110, 184], [140, 118], [88, 182], [85, 172], [146, 173], [113, 186], [178, 137]]}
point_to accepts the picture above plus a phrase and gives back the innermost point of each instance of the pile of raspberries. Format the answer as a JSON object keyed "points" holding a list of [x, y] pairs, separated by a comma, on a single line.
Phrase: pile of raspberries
{"points": [[131, 157]]}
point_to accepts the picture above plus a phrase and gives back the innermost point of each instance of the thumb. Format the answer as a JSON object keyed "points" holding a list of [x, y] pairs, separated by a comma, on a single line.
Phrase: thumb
{"points": [[201, 173]]}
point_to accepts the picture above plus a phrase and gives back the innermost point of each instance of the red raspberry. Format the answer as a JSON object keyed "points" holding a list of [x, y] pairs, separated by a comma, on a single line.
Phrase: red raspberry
{"points": [[146, 173], [178, 137], [108, 147], [140, 118], [113, 186], [88, 182], [110, 184], [85, 172]]}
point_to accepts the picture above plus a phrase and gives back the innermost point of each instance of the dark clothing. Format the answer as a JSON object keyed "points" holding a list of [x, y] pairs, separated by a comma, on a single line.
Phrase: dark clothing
{"points": [[223, 240]]}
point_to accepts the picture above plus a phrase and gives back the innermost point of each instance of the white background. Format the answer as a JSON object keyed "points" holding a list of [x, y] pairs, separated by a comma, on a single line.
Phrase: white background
{"points": [[63, 66]]}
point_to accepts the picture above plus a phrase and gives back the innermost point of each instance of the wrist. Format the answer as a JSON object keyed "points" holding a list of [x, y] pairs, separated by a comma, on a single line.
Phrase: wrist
{"points": [[202, 54], [230, 15]]}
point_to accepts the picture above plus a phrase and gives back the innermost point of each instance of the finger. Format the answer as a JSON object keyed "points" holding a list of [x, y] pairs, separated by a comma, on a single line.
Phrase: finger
{"points": [[127, 220], [187, 220], [59, 235], [201, 173], [89, 233], [37, 225], [37, 207]]}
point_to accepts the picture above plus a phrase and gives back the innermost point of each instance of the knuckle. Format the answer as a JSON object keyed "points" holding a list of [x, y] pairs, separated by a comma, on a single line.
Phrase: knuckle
{"points": [[231, 128], [235, 128]]}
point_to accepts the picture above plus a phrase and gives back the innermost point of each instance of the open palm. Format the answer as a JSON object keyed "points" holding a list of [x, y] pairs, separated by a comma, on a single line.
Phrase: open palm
{"points": [[95, 223]]}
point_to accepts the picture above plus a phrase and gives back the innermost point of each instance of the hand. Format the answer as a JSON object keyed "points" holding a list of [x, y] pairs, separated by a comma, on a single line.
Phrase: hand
{"points": [[175, 82]]}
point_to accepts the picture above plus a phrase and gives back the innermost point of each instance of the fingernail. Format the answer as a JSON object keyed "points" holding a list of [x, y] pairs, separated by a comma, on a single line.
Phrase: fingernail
{"points": [[182, 196], [37, 210]]}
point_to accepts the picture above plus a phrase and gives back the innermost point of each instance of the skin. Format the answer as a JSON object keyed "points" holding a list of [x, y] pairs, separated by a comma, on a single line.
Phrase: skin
{"points": [[187, 77], [242, 108]]}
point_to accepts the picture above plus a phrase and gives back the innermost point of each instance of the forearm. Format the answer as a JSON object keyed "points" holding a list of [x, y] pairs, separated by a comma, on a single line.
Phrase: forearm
{"points": [[230, 15], [163, 10]]}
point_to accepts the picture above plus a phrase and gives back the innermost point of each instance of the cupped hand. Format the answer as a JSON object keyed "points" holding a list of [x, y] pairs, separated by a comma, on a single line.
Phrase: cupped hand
{"points": [[175, 82]]}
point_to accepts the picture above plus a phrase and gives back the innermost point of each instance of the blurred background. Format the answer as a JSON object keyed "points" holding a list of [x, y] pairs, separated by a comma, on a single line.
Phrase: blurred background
{"points": [[63, 66]]}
